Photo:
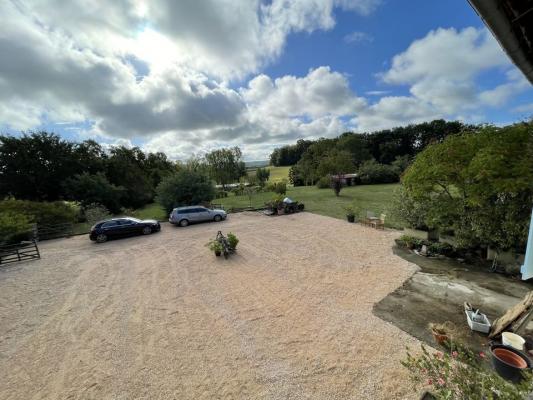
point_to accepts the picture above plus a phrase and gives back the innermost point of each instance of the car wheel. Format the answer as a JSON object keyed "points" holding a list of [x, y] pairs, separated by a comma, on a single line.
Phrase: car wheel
{"points": [[147, 230], [217, 218], [101, 238], [184, 222]]}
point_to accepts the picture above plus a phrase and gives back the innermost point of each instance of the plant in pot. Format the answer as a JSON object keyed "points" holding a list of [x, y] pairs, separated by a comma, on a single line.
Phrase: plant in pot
{"points": [[442, 333], [215, 246], [350, 214], [233, 241]]}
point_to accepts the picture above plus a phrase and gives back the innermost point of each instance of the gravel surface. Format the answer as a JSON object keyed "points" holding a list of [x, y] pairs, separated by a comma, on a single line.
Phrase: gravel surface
{"points": [[159, 317]]}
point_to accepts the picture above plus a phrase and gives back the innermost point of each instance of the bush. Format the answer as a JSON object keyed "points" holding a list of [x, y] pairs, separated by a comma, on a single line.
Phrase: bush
{"points": [[184, 188], [411, 213], [324, 183], [373, 172], [41, 213], [90, 189], [95, 212], [14, 227], [278, 187], [232, 240]]}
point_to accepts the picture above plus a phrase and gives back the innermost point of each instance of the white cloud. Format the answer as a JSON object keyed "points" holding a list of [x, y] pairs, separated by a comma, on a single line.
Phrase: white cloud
{"points": [[160, 71], [358, 37]]}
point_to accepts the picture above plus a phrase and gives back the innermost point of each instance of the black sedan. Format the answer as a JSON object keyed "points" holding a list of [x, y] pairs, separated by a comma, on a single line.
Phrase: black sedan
{"points": [[119, 227]]}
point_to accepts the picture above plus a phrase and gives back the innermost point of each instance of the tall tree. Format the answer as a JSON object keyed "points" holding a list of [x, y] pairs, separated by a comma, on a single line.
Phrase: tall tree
{"points": [[336, 164], [225, 165], [33, 166]]}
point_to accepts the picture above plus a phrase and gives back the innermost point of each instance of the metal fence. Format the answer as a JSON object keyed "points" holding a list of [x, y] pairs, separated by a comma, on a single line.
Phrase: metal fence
{"points": [[44, 232], [23, 251]]}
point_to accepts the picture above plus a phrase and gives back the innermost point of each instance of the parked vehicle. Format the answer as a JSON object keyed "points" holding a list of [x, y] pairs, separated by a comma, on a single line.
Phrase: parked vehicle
{"points": [[183, 216], [120, 227]]}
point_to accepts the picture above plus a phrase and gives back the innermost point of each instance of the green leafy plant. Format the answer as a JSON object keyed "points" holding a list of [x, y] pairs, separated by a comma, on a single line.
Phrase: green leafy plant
{"points": [[460, 374], [232, 240], [411, 242], [350, 212], [215, 246]]}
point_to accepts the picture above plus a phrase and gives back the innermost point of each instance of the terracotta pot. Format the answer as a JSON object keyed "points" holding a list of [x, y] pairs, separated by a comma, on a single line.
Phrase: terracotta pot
{"points": [[440, 338], [509, 362]]}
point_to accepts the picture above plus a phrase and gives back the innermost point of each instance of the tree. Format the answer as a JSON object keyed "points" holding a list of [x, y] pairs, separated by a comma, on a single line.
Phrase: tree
{"points": [[127, 168], [34, 166], [184, 188], [90, 189], [262, 175], [479, 185], [336, 164], [225, 165]]}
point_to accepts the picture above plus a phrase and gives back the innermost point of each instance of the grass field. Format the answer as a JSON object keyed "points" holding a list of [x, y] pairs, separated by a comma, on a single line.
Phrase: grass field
{"points": [[278, 173], [376, 198]]}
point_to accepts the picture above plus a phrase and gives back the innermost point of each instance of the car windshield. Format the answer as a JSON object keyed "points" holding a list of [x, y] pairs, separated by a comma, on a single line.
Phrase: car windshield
{"points": [[133, 219]]}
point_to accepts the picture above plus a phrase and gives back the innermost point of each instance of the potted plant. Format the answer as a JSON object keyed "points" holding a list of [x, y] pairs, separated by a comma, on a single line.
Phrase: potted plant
{"points": [[232, 241], [216, 247], [350, 214], [441, 332]]}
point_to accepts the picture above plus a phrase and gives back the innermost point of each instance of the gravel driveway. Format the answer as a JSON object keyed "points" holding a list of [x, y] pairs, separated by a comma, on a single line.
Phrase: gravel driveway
{"points": [[159, 317]]}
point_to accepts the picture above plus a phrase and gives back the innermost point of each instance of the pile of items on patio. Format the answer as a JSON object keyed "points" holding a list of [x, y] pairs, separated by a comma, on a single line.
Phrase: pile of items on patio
{"points": [[282, 207], [510, 352]]}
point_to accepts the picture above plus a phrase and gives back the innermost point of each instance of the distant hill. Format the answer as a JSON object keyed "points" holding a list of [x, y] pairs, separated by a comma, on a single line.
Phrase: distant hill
{"points": [[252, 164]]}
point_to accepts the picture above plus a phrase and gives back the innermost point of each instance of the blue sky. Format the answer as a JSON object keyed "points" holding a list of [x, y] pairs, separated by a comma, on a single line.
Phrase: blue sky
{"points": [[186, 77]]}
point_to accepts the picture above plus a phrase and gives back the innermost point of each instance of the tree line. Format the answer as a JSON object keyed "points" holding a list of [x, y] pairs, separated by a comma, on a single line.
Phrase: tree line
{"points": [[43, 167], [378, 157]]}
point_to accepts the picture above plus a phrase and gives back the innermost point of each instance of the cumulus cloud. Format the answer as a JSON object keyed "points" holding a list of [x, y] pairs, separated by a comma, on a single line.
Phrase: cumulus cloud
{"points": [[162, 73]]}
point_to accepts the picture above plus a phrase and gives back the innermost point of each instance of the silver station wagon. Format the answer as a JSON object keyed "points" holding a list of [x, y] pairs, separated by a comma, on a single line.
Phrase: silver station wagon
{"points": [[183, 216]]}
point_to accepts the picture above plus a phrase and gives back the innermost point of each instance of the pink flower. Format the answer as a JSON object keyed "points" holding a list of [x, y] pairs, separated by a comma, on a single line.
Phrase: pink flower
{"points": [[430, 381], [454, 354], [482, 355], [441, 381], [438, 354]]}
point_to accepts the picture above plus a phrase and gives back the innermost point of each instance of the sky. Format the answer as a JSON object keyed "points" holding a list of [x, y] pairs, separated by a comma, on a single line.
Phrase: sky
{"points": [[185, 77]]}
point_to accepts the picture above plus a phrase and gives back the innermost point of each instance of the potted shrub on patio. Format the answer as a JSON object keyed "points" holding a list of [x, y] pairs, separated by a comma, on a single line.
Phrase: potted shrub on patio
{"points": [[216, 247], [232, 240], [350, 214]]}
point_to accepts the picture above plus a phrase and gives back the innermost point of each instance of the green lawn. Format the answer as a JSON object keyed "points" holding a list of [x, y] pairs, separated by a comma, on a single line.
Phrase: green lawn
{"points": [[278, 173], [376, 198]]}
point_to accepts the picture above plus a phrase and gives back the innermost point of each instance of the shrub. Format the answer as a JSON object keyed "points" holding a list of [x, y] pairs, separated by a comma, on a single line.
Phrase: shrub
{"points": [[440, 248], [278, 187], [14, 227], [412, 213], [95, 212], [232, 240], [184, 188], [42, 213], [324, 183], [373, 172]]}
